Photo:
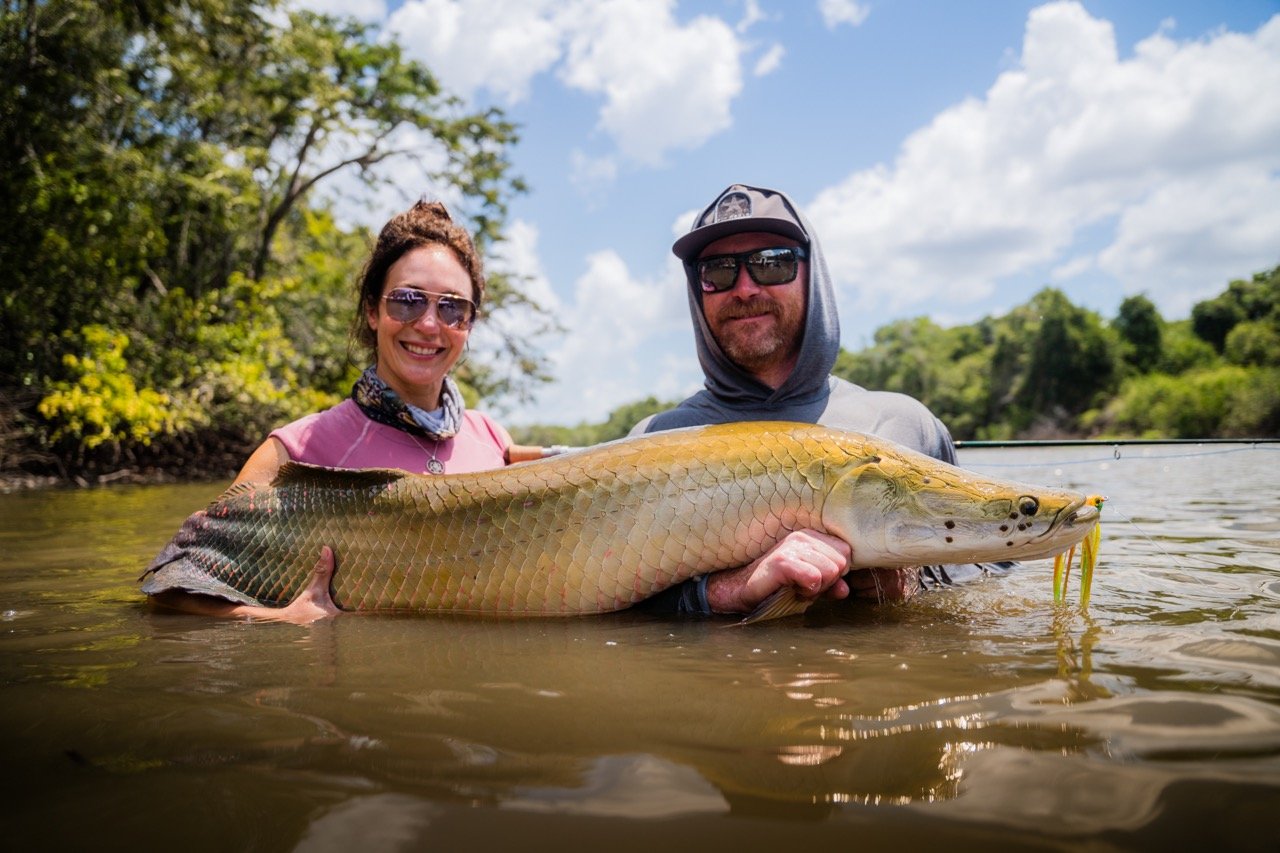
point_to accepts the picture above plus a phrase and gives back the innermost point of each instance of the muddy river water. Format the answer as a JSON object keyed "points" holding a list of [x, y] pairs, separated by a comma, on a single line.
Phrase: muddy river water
{"points": [[982, 716]]}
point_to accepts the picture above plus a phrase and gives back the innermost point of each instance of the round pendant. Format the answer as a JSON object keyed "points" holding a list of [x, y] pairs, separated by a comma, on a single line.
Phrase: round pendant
{"points": [[435, 466]]}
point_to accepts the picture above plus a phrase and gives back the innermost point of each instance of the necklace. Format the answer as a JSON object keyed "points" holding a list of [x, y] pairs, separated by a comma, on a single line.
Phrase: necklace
{"points": [[434, 465]]}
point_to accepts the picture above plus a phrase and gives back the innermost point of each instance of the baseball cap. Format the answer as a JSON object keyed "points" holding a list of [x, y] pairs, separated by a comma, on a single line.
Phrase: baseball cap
{"points": [[740, 208]]}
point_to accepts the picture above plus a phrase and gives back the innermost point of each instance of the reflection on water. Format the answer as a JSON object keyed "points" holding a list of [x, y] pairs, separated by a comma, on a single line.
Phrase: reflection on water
{"points": [[978, 716]]}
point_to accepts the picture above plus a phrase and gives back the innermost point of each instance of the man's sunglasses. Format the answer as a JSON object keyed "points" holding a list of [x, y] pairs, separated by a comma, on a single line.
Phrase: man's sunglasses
{"points": [[765, 266], [407, 305]]}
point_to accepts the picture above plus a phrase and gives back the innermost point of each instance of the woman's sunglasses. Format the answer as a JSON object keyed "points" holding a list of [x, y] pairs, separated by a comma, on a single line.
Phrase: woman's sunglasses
{"points": [[407, 305], [765, 266]]}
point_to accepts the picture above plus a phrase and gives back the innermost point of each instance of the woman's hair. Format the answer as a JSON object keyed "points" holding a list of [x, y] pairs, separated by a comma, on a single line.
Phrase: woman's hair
{"points": [[427, 223]]}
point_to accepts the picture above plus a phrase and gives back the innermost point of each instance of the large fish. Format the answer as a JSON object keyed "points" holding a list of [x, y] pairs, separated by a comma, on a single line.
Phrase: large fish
{"points": [[599, 529]]}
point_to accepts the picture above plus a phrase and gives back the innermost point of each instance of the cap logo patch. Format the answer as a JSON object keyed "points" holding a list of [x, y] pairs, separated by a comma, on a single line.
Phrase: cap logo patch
{"points": [[734, 205]]}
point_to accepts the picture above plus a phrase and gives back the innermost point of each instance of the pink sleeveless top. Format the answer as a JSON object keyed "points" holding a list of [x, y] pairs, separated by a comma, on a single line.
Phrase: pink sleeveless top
{"points": [[344, 437]]}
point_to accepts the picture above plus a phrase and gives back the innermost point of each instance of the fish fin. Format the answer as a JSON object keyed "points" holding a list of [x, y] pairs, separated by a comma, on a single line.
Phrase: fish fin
{"points": [[318, 476], [182, 574], [171, 552], [784, 602]]}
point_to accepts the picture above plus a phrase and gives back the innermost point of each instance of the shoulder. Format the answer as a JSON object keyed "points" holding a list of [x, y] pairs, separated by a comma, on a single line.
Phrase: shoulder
{"points": [[694, 411], [479, 445], [888, 414], [486, 428], [340, 418]]}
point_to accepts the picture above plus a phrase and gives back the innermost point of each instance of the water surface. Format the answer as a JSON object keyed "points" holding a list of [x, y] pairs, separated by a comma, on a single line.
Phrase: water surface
{"points": [[979, 716]]}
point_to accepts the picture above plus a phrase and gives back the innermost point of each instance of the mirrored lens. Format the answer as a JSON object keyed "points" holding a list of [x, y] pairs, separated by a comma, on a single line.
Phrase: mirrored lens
{"points": [[765, 266], [454, 311], [406, 305]]}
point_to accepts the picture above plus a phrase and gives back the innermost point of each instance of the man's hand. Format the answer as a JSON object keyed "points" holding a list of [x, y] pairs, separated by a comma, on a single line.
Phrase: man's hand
{"points": [[810, 561]]}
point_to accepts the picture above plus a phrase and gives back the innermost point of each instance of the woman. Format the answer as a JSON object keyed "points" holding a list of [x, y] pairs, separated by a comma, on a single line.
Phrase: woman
{"points": [[420, 292]]}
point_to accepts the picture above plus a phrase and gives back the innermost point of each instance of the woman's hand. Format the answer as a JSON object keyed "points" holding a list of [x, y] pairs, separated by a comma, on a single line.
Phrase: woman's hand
{"points": [[312, 604], [812, 562]]}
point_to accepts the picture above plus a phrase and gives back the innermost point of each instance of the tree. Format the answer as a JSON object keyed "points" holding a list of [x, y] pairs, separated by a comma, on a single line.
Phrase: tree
{"points": [[1140, 328], [1257, 299]]}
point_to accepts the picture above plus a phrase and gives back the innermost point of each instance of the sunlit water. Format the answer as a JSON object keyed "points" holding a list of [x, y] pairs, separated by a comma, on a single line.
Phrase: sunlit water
{"points": [[980, 717]]}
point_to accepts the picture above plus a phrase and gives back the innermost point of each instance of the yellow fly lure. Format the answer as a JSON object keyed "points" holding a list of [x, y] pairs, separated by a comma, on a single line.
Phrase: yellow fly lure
{"points": [[1088, 559]]}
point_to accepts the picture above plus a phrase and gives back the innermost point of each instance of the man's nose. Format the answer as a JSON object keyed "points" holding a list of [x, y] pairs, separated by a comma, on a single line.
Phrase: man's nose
{"points": [[743, 284]]}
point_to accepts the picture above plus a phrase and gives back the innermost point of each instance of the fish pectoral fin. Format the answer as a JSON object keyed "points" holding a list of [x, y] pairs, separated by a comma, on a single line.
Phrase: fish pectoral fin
{"points": [[182, 575], [784, 602]]}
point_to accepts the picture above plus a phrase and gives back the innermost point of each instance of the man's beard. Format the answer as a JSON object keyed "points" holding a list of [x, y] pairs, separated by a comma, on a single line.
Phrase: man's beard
{"points": [[756, 350]]}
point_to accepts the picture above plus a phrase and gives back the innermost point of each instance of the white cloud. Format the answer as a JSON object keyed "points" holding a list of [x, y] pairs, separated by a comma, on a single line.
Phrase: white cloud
{"points": [[614, 322], [770, 62], [665, 86], [498, 45], [837, 12], [752, 14], [1177, 144], [1190, 233]]}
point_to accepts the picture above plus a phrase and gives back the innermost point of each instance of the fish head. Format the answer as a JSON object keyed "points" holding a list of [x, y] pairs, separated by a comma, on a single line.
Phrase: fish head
{"points": [[900, 508]]}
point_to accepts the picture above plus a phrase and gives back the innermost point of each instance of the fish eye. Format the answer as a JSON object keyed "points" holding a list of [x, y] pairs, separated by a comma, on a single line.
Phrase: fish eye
{"points": [[1028, 505]]}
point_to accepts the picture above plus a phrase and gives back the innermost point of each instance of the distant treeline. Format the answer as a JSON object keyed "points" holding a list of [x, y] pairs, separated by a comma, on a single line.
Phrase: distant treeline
{"points": [[1050, 369]]}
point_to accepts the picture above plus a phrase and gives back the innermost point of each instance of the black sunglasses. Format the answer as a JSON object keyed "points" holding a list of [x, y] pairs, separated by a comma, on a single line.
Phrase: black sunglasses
{"points": [[408, 305], [766, 267]]}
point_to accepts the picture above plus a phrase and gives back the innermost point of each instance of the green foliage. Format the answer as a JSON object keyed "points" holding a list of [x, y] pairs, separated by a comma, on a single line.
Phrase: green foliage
{"points": [[1255, 407], [99, 402], [617, 425], [1220, 401], [1253, 342], [1183, 350], [1254, 300], [1141, 332]]}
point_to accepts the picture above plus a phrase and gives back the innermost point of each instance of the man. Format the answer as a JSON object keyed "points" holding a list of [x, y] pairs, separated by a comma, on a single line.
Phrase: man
{"points": [[767, 335]]}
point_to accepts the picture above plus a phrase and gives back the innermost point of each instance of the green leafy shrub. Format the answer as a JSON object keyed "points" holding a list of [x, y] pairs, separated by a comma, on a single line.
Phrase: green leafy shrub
{"points": [[99, 402]]}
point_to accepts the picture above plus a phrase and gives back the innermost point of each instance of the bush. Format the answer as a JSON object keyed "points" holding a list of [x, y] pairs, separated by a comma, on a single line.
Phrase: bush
{"points": [[100, 403], [1194, 405]]}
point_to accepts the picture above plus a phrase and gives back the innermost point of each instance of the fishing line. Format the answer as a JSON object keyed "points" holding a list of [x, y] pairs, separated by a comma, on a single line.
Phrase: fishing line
{"points": [[1147, 536]]}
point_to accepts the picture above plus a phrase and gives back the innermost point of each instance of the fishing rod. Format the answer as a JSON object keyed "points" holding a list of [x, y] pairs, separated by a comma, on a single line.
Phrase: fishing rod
{"points": [[1111, 442]]}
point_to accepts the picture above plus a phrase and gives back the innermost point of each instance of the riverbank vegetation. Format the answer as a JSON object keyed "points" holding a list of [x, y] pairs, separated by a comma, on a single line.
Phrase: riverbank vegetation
{"points": [[175, 287]]}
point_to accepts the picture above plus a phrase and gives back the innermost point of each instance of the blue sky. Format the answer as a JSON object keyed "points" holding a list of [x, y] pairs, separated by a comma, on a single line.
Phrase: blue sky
{"points": [[954, 157]]}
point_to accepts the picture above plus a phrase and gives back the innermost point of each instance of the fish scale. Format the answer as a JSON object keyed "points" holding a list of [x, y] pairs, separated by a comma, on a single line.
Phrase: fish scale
{"points": [[599, 529]]}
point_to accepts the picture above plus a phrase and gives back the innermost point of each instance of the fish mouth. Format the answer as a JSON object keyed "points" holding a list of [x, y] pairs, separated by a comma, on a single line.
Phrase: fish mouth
{"points": [[1085, 511]]}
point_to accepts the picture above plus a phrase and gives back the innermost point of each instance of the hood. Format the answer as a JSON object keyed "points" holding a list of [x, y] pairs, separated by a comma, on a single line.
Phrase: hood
{"points": [[725, 381]]}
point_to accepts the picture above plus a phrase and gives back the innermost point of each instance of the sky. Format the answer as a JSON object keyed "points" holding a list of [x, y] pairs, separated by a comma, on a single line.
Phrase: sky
{"points": [[953, 157]]}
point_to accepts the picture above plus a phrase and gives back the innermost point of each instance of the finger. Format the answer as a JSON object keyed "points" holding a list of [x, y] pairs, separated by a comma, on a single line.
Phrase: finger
{"points": [[838, 590]]}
